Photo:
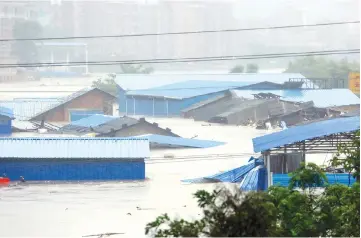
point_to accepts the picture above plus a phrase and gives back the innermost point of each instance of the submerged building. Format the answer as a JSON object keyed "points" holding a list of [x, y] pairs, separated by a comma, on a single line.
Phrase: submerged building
{"points": [[174, 93], [79, 105], [74, 159]]}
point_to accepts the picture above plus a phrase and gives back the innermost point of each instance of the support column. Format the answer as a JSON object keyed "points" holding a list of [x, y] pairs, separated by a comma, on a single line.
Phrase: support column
{"points": [[303, 152], [267, 161]]}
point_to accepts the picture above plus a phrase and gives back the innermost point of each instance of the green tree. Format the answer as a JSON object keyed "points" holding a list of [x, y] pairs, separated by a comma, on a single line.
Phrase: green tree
{"points": [[225, 214], [135, 69], [307, 176], [348, 157], [252, 68], [26, 51], [237, 69], [319, 67], [108, 84]]}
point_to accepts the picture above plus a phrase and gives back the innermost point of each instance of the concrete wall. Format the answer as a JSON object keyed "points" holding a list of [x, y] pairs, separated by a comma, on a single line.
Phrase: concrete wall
{"points": [[94, 100], [40, 170]]}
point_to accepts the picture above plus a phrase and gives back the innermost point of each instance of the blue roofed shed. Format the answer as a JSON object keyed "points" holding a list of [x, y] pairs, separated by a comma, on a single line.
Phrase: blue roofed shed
{"points": [[6, 116], [319, 138], [182, 91]]}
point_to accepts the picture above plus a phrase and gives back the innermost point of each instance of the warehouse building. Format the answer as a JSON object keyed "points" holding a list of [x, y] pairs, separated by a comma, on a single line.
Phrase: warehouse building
{"points": [[81, 104], [187, 90], [6, 117], [73, 159]]}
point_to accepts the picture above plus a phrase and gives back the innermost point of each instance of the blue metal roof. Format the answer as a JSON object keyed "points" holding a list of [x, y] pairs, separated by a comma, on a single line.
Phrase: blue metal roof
{"points": [[93, 120], [255, 179], [191, 85], [179, 141], [305, 132], [70, 148], [7, 112], [232, 176], [24, 109], [320, 97], [188, 89]]}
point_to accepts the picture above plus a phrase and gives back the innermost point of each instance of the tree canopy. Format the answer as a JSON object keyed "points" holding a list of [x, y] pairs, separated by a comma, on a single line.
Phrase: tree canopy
{"points": [[135, 69], [252, 68], [107, 84], [320, 67], [237, 69]]}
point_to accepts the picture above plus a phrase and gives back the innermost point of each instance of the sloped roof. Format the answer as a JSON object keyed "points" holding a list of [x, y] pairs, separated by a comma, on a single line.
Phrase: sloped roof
{"points": [[320, 97], [306, 132], [146, 81], [70, 98], [186, 85], [26, 108], [98, 123]]}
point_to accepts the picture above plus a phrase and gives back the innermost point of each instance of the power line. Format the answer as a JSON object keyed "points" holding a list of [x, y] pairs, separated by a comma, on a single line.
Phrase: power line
{"points": [[181, 33], [184, 60]]}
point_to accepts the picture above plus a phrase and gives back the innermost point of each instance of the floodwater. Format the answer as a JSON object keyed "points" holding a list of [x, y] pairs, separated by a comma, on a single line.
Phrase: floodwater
{"points": [[81, 209]]}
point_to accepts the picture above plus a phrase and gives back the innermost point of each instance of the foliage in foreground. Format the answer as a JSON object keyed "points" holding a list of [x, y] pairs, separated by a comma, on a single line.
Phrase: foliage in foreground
{"points": [[280, 211]]}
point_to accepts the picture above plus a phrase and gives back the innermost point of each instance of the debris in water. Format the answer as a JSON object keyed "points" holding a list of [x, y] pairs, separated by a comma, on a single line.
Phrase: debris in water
{"points": [[104, 235]]}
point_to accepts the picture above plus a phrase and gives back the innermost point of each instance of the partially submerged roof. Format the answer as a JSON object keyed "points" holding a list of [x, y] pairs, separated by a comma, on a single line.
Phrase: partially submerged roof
{"points": [[71, 98], [6, 112], [240, 105], [320, 97], [146, 81], [73, 148], [24, 109], [97, 123], [170, 141], [306, 132], [232, 176]]}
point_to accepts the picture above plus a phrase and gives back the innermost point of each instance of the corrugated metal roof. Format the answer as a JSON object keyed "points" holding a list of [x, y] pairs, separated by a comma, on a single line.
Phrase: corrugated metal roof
{"points": [[146, 81], [320, 97], [93, 120], [69, 148], [179, 141], [100, 124], [240, 105], [254, 180], [7, 112], [70, 98], [305, 132], [231, 176], [25, 109]]}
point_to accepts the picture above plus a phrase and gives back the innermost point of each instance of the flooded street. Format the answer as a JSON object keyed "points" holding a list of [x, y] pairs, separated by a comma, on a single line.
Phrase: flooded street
{"points": [[80, 209]]}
